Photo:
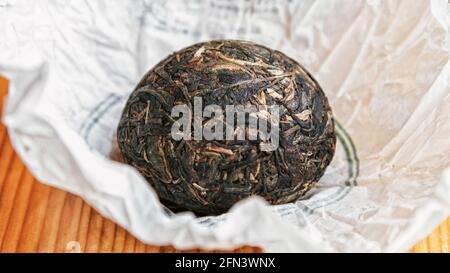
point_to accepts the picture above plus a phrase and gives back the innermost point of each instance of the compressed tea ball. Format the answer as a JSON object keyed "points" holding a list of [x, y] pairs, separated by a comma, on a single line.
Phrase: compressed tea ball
{"points": [[209, 176]]}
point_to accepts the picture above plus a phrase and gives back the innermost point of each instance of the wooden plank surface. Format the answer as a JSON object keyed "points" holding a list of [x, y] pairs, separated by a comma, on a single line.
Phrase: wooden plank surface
{"points": [[38, 218]]}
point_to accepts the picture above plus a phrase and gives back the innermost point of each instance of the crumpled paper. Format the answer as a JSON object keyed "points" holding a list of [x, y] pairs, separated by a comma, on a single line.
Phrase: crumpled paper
{"points": [[383, 64]]}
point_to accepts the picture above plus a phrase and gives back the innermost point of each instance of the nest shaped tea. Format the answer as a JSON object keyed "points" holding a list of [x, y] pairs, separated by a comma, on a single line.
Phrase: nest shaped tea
{"points": [[209, 176]]}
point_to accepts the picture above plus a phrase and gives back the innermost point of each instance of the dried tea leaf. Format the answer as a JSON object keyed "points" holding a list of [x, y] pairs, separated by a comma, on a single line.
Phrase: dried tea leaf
{"points": [[208, 177]]}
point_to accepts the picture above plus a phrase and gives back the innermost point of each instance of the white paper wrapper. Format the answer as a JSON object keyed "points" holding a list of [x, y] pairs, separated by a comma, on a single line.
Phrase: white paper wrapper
{"points": [[383, 64]]}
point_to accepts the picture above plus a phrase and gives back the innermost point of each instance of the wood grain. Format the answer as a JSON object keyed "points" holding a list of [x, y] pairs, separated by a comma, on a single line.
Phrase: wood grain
{"points": [[38, 218]]}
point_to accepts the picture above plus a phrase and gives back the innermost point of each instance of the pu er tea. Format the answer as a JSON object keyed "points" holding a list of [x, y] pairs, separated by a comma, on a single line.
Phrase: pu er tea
{"points": [[282, 144]]}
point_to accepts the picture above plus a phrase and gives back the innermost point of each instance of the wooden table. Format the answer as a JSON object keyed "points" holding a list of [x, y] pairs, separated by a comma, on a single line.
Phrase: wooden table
{"points": [[38, 218]]}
